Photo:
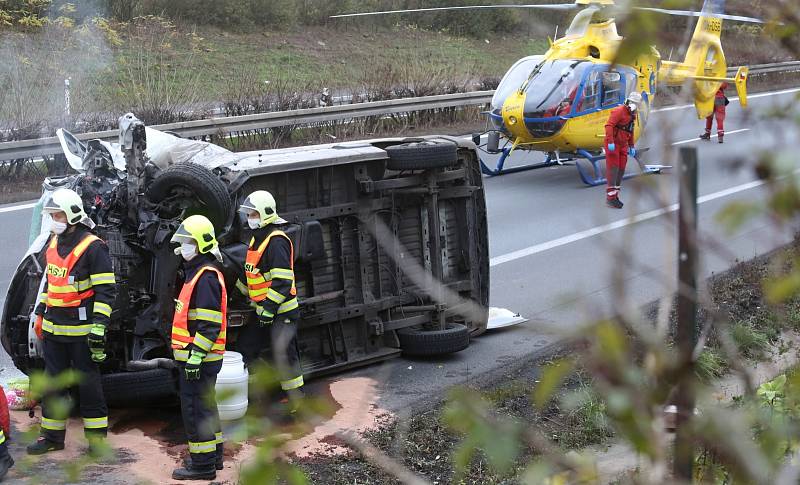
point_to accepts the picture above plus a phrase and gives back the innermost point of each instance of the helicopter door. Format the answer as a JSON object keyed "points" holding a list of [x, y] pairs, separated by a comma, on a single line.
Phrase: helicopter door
{"points": [[592, 92], [613, 88]]}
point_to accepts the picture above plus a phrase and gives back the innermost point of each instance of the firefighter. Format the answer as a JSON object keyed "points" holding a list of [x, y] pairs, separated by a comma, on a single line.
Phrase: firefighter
{"points": [[618, 145], [720, 102], [73, 313], [198, 343], [269, 269]]}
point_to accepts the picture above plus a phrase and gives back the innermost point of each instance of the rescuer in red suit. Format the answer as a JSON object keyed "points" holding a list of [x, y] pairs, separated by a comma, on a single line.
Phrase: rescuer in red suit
{"points": [[618, 145], [720, 101]]}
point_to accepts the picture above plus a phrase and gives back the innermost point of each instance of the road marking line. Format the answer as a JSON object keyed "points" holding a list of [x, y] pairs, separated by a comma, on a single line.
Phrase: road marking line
{"points": [[17, 207], [579, 236], [735, 98], [727, 133]]}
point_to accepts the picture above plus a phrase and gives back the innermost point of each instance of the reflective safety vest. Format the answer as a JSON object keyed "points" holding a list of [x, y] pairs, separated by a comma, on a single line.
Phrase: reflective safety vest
{"points": [[258, 284], [62, 289], [181, 338]]}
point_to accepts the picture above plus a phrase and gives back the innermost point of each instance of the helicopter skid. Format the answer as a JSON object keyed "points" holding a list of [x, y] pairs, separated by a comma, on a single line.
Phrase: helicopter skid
{"points": [[550, 161], [596, 177], [592, 177]]}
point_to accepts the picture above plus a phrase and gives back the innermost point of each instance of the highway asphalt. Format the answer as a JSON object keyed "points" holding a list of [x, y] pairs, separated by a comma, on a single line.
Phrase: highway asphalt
{"points": [[552, 241], [553, 252]]}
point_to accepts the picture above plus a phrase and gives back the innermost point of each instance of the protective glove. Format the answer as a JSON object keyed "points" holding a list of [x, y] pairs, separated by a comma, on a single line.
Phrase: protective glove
{"points": [[632, 151], [192, 368], [612, 147], [97, 342], [265, 319], [37, 327]]}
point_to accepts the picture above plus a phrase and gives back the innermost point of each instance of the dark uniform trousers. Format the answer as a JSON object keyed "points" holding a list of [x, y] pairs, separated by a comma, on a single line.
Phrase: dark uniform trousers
{"points": [[60, 356], [200, 420], [283, 330]]}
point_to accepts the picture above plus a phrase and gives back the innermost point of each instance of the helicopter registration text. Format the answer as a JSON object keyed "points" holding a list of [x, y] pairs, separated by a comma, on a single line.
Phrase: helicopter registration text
{"points": [[712, 25]]}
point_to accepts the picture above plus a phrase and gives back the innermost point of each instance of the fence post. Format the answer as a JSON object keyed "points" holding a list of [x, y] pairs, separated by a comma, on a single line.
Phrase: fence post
{"points": [[66, 98], [686, 332]]}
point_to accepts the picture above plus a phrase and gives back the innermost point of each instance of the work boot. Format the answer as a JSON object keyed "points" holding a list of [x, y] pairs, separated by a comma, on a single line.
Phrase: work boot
{"points": [[706, 136], [6, 462], [192, 473], [43, 445], [614, 203], [720, 137], [187, 462]]}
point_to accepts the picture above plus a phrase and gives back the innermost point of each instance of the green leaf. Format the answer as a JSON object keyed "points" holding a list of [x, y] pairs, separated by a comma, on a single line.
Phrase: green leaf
{"points": [[612, 343], [735, 214], [552, 377], [781, 289], [462, 456], [502, 446]]}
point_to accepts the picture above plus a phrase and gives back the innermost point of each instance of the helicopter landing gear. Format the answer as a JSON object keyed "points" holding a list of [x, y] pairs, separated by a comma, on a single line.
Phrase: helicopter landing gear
{"points": [[551, 160], [595, 176]]}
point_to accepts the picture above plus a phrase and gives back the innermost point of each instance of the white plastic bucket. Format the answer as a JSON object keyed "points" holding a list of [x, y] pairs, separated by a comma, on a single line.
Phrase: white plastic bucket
{"points": [[232, 384]]}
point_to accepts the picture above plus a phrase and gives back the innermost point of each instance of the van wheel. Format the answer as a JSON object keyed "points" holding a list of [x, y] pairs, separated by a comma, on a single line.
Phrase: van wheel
{"points": [[421, 155], [420, 342], [124, 388], [187, 186]]}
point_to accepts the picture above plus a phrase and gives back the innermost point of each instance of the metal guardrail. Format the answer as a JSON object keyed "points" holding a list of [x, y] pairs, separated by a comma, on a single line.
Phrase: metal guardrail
{"points": [[788, 66], [40, 147]]}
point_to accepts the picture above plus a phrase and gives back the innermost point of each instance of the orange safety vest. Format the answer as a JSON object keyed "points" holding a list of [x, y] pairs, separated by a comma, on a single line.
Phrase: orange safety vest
{"points": [[181, 338], [257, 283], [62, 289]]}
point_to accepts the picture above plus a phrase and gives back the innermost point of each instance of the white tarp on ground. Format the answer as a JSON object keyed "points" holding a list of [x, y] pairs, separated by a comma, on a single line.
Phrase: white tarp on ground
{"points": [[500, 318]]}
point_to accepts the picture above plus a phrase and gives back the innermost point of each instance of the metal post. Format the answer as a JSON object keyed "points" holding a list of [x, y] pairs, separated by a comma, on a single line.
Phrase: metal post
{"points": [[66, 98], [686, 333]]}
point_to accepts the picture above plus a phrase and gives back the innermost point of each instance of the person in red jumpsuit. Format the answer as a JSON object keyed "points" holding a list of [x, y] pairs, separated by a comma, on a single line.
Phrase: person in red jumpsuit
{"points": [[618, 145], [6, 461], [720, 101]]}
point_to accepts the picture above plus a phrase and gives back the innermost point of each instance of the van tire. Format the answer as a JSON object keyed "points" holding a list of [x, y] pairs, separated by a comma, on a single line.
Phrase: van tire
{"points": [[420, 342], [421, 155], [124, 388], [210, 190]]}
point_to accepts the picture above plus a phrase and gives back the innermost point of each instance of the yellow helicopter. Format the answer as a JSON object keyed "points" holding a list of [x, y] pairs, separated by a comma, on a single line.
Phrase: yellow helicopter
{"points": [[559, 102]]}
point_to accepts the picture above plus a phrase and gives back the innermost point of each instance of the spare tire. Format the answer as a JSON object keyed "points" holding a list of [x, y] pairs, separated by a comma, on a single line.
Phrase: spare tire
{"points": [[147, 386], [421, 155], [420, 342], [207, 189]]}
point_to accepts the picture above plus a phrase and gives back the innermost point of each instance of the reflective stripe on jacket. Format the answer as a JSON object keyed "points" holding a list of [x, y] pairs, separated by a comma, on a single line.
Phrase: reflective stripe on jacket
{"points": [[62, 289], [259, 283], [182, 337]]}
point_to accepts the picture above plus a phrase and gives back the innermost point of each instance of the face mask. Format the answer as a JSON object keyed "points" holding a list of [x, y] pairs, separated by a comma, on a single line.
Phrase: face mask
{"points": [[188, 251], [632, 106], [254, 223], [58, 227]]}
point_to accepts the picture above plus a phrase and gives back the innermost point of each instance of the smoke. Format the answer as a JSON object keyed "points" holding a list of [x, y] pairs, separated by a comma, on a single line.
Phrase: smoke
{"points": [[72, 44]]}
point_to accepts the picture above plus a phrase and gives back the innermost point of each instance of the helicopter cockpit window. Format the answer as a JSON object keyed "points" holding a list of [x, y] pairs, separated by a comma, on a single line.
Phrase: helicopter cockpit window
{"points": [[512, 81], [552, 92], [612, 88], [592, 92]]}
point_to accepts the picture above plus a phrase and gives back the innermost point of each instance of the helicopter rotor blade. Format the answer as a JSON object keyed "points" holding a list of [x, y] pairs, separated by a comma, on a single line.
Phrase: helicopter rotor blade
{"points": [[690, 13], [553, 6]]}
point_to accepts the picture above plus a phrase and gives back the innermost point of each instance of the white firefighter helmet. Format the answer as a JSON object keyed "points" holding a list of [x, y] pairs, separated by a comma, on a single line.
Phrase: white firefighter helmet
{"points": [[634, 98], [70, 203], [263, 203]]}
